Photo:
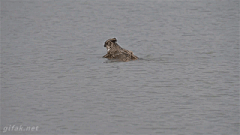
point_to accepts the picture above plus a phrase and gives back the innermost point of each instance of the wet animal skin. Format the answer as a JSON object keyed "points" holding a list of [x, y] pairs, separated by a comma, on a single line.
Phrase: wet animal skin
{"points": [[114, 51]]}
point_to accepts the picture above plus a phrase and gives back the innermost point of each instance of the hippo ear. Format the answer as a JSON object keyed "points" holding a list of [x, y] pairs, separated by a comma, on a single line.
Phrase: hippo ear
{"points": [[114, 40]]}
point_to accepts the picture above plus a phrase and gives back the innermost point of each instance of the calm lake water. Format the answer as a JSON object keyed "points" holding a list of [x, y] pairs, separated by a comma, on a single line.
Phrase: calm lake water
{"points": [[186, 82]]}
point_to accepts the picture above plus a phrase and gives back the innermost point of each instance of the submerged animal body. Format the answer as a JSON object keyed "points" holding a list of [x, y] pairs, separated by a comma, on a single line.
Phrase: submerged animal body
{"points": [[114, 51]]}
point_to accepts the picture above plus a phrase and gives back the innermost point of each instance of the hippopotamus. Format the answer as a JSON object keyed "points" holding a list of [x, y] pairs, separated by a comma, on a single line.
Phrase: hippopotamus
{"points": [[114, 51]]}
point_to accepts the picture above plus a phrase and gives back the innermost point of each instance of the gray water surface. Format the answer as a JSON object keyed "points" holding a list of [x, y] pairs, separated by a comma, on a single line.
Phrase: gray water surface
{"points": [[186, 82]]}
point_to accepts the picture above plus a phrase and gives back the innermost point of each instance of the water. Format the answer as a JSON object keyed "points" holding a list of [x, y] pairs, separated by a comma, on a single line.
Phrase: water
{"points": [[53, 74]]}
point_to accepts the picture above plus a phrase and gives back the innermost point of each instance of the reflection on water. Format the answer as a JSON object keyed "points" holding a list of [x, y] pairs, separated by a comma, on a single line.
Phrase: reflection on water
{"points": [[186, 82]]}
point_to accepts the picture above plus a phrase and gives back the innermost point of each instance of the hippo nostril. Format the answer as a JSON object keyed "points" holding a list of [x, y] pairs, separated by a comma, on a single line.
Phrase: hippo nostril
{"points": [[104, 45]]}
